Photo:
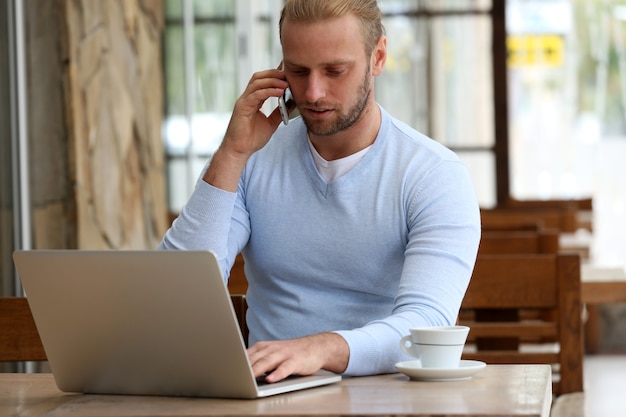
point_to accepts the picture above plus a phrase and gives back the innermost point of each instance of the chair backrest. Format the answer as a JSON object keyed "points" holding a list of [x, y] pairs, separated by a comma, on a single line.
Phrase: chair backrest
{"points": [[564, 219], [518, 241], [19, 339], [583, 208], [578, 204], [508, 225], [525, 283], [241, 306], [237, 282]]}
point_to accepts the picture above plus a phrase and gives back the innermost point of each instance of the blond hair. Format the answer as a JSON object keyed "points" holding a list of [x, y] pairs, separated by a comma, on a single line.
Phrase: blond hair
{"points": [[309, 11]]}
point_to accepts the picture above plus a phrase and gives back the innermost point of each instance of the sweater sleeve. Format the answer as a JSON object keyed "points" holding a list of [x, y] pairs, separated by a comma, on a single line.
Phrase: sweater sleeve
{"points": [[444, 233], [205, 223]]}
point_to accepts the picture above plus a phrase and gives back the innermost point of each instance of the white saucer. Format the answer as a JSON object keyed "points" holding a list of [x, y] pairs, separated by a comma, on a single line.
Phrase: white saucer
{"points": [[414, 370]]}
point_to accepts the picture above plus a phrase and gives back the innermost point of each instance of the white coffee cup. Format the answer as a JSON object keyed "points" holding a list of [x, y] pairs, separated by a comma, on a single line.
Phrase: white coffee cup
{"points": [[436, 347]]}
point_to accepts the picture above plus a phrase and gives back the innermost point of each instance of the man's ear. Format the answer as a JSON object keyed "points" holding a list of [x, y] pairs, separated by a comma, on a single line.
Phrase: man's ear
{"points": [[379, 56]]}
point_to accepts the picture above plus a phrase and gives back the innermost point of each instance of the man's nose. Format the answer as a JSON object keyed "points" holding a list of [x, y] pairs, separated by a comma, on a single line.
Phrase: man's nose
{"points": [[316, 89]]}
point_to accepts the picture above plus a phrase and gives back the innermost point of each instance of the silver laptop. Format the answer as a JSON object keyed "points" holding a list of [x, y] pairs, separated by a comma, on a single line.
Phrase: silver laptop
{"points": [[142, 323]]}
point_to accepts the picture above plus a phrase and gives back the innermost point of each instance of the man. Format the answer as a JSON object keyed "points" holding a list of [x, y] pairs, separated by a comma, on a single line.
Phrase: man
{"points": [[353, 226]]}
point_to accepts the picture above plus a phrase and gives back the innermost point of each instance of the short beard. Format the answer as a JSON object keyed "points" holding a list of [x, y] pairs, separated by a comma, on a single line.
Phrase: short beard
{"points": [[346, 120]]}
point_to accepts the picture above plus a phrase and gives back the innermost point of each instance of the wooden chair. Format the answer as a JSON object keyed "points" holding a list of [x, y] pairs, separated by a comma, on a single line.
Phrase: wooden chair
{"points": [[578, 203], [521, 225], [518, 241], [240, 306], [237, 282], [19, 339], [507, 243], [547, 283], [582, 206], [564, 219]]}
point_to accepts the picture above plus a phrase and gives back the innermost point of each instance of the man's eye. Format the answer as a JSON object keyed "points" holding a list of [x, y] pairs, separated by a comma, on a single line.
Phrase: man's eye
{"points": [[335, 73]]}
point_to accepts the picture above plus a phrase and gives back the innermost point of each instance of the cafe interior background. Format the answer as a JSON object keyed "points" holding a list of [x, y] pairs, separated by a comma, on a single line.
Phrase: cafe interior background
{"points": [[109, 110]]}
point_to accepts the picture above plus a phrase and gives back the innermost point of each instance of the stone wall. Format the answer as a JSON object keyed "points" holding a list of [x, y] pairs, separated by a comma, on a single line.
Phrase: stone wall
{"points": [[95, 112]]}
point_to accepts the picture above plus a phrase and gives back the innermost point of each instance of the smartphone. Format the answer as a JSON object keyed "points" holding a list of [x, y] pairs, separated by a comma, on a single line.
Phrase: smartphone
{"points": [[282, 105]]}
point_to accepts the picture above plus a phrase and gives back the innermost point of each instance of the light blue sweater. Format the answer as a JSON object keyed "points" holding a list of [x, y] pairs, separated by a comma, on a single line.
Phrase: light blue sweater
{"points": [[388, 246]]}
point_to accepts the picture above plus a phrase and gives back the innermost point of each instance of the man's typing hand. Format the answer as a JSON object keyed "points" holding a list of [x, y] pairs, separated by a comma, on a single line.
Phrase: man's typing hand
{"points": [[303, 356]]}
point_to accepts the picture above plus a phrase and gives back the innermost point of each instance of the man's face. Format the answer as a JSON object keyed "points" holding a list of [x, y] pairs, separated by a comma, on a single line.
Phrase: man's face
{"points": [[328, 73]]}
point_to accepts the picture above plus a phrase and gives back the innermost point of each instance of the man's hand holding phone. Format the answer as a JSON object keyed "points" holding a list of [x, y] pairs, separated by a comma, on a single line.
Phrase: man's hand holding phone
{"points": [[249, 128]]}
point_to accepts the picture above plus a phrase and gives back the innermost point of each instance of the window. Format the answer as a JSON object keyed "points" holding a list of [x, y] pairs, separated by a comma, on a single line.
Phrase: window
{"points": [[211, 50], [567, 95], [439, 79]]}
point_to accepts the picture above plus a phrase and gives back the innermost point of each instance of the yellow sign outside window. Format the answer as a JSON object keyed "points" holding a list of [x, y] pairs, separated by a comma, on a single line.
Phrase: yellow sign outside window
{"points": [[535, 50]]}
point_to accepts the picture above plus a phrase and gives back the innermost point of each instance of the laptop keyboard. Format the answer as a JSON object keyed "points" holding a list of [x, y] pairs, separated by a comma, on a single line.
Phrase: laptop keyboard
{"points": [[260, 380]]}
